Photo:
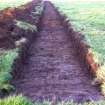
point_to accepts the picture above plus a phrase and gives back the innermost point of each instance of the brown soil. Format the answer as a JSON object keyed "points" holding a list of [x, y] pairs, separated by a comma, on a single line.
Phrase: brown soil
{"points": [[53, 68], [8, 27]]}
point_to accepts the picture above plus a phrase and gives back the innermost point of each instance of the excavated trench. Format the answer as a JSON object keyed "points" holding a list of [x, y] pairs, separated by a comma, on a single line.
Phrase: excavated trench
{"points": [[53, 68]]}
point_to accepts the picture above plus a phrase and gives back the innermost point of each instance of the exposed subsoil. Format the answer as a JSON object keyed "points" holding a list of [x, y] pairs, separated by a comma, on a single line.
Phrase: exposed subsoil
{"points": [[53, 68]]}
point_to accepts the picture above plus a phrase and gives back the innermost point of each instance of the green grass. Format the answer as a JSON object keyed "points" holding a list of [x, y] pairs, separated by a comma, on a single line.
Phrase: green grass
{"points": [[26, 26], [12, 3], [6, 61], [89, 19], [15, 100], [21, 100]]}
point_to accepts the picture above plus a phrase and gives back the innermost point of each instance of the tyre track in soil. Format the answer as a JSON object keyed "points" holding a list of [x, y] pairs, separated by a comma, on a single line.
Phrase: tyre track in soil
{"points": [[53, 67]]}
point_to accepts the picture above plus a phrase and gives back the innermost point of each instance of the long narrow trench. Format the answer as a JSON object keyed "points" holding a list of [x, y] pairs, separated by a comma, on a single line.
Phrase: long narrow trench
{"points": [[53, 68]]}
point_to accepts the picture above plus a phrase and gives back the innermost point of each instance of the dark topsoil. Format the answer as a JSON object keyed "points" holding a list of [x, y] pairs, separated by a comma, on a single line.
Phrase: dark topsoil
{"points": [[53, 68], [9, 32]]}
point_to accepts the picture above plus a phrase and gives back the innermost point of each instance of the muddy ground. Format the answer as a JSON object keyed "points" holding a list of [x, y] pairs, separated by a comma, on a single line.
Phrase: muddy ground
{"points": [[53, 67]]}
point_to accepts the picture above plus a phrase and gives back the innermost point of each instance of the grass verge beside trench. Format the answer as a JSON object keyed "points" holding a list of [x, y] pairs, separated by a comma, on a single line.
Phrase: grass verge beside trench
{"points": [[88, 18], [12, 3], [15, 100], [6, 60], [21, 100]]}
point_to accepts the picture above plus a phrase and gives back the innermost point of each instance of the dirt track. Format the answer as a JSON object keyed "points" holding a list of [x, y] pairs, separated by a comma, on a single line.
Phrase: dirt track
{"points": [[53, 67]]}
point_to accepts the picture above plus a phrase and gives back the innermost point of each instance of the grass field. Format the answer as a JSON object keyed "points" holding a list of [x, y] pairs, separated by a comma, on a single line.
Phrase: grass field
{"points": [[12, 3], [88, 17]]}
